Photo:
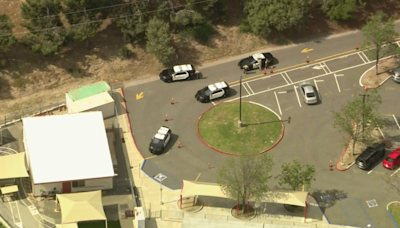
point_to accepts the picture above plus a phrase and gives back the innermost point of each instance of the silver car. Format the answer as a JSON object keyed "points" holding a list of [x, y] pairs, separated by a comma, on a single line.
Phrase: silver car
{"points": [[396, 75], [308, 92]]}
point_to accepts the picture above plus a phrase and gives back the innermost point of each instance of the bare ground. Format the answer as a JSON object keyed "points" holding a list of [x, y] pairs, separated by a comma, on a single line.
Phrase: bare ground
{"points": [[28, 79], [385, 68]]}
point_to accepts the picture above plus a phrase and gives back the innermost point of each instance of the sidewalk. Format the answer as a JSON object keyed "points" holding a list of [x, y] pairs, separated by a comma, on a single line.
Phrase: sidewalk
{"points": [[169, 215]]}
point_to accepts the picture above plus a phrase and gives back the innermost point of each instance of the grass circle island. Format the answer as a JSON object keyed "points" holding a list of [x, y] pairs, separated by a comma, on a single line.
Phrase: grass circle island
{"points": [[261, 128]]}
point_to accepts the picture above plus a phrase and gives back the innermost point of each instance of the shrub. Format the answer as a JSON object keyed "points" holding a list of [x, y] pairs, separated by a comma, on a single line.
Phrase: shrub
{"points": [[125, 53]]}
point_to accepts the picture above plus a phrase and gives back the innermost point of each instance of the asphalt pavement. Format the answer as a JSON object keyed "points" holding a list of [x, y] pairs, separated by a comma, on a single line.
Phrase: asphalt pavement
{"points": [[309, 137]]}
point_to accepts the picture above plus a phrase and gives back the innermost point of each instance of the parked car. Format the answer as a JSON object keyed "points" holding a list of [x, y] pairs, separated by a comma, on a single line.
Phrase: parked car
{"points": [[213, 91], [259, 60], [160, 140], [308, 92], [392, 160], [370, 156], [178, 73], [396, 75]]}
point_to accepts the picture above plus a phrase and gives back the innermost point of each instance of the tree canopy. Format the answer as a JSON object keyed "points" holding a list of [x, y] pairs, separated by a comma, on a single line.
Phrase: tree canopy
{"points": [[159, 41], [132, 22], [6, 37], [339, 10], [296, 175]]}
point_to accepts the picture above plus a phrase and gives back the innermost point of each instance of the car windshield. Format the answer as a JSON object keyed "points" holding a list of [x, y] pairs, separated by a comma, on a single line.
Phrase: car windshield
{"points": [[155, 141], [170, 71], [310, 94], [389, 159], [207, 91]]}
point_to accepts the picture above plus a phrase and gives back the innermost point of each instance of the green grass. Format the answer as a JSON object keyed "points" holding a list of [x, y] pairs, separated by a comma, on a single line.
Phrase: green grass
{"points": [[99, 224], [219, 128], [395, 211]]}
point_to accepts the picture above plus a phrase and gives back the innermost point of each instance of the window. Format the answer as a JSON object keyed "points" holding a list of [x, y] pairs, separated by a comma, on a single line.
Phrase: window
{"points": [[77, 184]]}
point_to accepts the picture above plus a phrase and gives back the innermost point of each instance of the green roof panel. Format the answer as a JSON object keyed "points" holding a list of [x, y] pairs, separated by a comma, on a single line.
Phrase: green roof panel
{"points": [[89, 90]]}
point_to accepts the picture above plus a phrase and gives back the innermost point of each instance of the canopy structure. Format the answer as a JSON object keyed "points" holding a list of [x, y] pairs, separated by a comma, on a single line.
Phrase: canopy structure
{"points": [[68, 225], [9, 189], [83, 206], [211, 189], [13, 166]]}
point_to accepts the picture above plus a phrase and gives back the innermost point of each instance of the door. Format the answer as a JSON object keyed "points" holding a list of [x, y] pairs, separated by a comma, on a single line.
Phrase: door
{"points": [[66, 187], [180, 76], [217, 94]]}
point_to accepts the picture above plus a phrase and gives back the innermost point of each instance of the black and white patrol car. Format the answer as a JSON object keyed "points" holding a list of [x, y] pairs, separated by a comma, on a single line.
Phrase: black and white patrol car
{"points": [[160, 140], [259, 60], [213, 91], [178, 72]]}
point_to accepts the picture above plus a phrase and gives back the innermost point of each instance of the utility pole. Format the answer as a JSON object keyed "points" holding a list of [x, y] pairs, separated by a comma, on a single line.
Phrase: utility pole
{"points": [[363, 95], [240, 103]]}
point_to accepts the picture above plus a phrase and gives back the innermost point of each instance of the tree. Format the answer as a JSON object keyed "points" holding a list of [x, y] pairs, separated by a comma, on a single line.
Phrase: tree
{"points": [[358, 119], [263, 16], [6, 37], [159, 41], [340, 10], [47, 33], [214, 10], [132, 22], [84, 24], [295, 175], [377, 32], [245, 176]]}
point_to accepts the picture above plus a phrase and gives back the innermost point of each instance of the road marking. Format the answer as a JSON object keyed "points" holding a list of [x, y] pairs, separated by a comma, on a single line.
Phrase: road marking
{"points": [[280, 92], [317, 68], [249, 87], [297, 95], [139, 96], [337, 83], [396, 121], [285, 79], [306, 50], [361, 57], [316, 85], [288, 77], [398, 43], [277, 101], [248, 93], [198, 176], [327, 68], [322, 66], [381, 133], [395, 172], [365, 56], [370, 172], [213, 102]]}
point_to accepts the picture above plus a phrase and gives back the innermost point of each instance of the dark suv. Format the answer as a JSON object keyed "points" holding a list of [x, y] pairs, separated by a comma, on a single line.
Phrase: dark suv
{"points": [[370, 155]]}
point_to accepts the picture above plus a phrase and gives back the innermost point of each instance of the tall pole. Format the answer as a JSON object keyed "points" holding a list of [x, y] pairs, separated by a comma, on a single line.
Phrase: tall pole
{"points": [[161, 193], [240, 95], [363, 95]]}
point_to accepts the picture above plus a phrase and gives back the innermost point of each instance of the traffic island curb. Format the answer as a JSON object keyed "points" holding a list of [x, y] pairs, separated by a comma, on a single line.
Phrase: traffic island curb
{"points": [[390, 214], [381, 83]]}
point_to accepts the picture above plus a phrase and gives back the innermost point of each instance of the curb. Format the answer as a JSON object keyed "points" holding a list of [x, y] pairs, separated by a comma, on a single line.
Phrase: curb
{"points": [[390, 214], [344, 152], [362, 76], [226, 153]]}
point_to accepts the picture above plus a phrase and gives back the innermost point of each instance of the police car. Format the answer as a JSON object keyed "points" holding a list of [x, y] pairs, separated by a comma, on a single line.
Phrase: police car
{"points": [[178, 72], [259, 60], [160, 140], [213, 91]]}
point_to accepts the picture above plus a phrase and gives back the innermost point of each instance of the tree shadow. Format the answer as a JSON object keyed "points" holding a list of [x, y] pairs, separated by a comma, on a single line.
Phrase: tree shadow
{"points": [[328, 198], [5, 88]]}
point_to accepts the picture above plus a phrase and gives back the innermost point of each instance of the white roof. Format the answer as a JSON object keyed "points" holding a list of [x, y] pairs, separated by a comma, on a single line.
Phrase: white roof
{"points": [[67, 147], [218, 85], [91, 102], [180, 68], [258, 56], [163, 130], [160, 136]]}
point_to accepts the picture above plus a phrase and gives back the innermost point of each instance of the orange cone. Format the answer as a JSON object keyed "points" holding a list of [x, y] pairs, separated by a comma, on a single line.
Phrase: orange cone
{"points": [[357, 46], [330, 165], [166, 117], [308, 59], [272, 69], [179, 144], [265, 70], [172, 101]]}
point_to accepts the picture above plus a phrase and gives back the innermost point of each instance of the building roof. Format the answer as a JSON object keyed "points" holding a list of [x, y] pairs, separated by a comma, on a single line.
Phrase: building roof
{"points": [[91, 102], [67, 147], [89, 90]]}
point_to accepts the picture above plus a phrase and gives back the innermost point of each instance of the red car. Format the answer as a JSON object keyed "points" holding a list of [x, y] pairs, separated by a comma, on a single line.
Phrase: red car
{"points": [[393, 160]]}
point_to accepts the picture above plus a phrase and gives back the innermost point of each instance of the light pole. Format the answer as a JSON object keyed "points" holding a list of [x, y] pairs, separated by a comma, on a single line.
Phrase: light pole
{"points": [[160, 177], [240, 103], [363, 95]]}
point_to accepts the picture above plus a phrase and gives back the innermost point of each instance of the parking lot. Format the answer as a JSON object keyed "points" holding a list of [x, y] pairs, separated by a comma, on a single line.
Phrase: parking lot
{"points": [[309, 136]]}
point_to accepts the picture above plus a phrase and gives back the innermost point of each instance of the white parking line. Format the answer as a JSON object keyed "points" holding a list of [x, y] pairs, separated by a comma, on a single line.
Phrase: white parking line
{"points": [[280, 92], [398, 43], [288, 77], [252, 92], [396, 121], [297, 94], [370, 172], [337, 83], [365, 56], [285, 79], [213, 102], [361, 57], [277, 101], [316, 84], [395, 172], [323, 67], [326, 66], [246, 88]]}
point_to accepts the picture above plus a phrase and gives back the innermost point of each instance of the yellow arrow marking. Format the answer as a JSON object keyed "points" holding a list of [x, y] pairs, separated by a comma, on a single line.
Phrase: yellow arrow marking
{"points": [[139, 96], [306, 50]]}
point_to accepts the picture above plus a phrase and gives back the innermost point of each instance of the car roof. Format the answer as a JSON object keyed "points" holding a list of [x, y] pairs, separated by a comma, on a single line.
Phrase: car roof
{"points": [[163, 130], [394, 154], [366, 153], [308, 89], [160, 136], [218, 85], [258, 56], [184, 67]]}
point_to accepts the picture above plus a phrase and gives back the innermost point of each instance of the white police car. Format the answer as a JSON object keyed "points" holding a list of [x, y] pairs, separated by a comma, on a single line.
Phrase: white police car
{"points": [[160, 140], [178, 73], [257, 61], [213, 91]]}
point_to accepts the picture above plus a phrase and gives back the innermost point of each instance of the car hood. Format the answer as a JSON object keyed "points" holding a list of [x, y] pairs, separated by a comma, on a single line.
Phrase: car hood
{"points": [[155, 147], [244, 61], [201, 93], [164, 73]]}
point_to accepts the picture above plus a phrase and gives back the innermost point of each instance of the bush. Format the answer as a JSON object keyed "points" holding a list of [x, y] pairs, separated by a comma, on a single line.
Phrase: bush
{"points": [[200, 33], [125, 53]]}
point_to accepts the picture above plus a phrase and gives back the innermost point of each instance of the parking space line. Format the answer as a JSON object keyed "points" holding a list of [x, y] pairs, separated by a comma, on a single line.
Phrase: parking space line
{"points": [[248, 93], [297, 95], [370, 172], [323, 67], [395, 172], [365, 56], [285, 79], [252, 92], [398, 43], [316, 84], [277, 101], [280, 92], [361, 57], [198, 176], [288, 77], [396, 121], [213, 102], [337, 83]]}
